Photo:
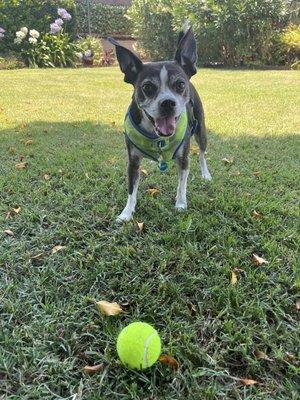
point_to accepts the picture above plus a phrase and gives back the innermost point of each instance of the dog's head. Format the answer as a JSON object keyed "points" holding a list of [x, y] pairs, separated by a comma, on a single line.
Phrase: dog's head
{"points": [[161, 89]]}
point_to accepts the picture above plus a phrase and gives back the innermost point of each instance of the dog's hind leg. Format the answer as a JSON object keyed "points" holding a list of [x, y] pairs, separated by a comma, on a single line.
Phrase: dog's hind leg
{"points": [[133, 171]]}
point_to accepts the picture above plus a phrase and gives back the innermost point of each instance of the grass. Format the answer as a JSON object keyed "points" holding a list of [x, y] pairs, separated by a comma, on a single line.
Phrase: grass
{"points": [[50, 327]]}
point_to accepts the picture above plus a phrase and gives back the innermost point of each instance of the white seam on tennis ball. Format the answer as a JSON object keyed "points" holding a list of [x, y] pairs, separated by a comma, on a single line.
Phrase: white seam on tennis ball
{"points": [[146, 347]]}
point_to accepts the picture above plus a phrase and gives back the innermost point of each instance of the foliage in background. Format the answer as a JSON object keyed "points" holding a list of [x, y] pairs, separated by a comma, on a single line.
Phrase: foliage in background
{"points": [[37, 14], [91, 43], [105, 19], [290, 39], [230, 32]]}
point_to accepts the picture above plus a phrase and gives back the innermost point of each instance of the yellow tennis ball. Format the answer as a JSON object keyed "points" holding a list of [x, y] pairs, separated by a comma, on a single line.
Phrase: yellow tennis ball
{"points": [[138, 345]]}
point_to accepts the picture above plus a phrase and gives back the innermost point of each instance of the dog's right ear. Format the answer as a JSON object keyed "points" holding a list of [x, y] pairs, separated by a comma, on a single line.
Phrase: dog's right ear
{"points": [[130, 63]]}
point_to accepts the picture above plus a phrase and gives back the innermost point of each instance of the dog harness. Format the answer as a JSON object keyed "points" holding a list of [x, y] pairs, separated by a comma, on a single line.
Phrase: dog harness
{"points": [[157, 148]]}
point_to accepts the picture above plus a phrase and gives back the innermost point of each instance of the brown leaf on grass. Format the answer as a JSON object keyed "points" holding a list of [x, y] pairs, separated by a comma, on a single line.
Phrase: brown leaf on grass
{"points": [[256, 173], [61, 171], [260, 355], [290, 356], [21, 165], [258, 260], [93, 369], [233, 279], [57, 248], [194, 149], [47, 177], [38, 256], [165, 359], [17, 210], [239, 270], [153, 191], [228, 161], [140, 226], [256, 215], [248, 381], [144, 171], [109, 309], [298, 305], [8, 232], [192, 308], [28, 142]]}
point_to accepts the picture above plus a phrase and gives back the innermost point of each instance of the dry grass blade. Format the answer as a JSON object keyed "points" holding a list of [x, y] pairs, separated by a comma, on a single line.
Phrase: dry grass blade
{"points": [[93, 369], [260, 355], [8, 232], [256, 215], [248, 382], [57, 248]]}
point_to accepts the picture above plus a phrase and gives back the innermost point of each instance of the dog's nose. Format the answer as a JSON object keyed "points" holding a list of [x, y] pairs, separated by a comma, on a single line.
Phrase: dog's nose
{"points": [[167, 105]]}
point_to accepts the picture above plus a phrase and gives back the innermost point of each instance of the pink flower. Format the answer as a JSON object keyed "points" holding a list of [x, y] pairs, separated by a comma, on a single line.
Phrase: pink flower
{"points": [[59, 21], [2, 30], [54, 28], [64, 14], [1, 35]]}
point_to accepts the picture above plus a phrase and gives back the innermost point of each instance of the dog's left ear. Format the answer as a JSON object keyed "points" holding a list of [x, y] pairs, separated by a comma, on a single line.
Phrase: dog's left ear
{"points": [[129, 63], [186, 53]]}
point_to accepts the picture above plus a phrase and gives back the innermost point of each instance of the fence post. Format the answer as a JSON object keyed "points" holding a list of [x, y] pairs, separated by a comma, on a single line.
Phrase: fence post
{"points": [[88, 16]]}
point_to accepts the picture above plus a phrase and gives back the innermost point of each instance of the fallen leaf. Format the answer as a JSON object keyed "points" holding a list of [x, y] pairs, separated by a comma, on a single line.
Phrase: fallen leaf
{"points": [[228, 161], [112, 160], [17, 210], [21, 165], [57, 248], [28, 142], [233, 279], [248, 381], [87, 175], [165, 359], [258, 260], [239, 270], [140, 226], [47, 177], [9, 232], [61, 171], [37, 256], [298, 305], [109, 309], [153, 191], [93, 369], [260, 355], [291, 357], [144, 171], [256, 215], [256, 173], [194, 150], [192, 308]]}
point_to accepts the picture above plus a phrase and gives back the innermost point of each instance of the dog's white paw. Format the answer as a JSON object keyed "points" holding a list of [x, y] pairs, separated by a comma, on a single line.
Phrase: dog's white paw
{"points": [[123, 217], [181, 205], [206, 175]]}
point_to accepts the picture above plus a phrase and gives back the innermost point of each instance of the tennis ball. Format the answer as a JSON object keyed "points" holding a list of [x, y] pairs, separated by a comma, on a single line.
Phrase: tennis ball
{"points": [[138, 345]]}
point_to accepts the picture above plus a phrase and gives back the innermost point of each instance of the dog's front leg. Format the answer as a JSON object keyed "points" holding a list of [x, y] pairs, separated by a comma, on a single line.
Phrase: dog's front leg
{"points": [[133, 170], [183, 168]]}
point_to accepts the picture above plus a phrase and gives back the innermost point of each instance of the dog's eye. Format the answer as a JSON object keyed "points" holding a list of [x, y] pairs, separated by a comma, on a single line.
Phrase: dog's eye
{"points": [[149, 88], [180, 86]]}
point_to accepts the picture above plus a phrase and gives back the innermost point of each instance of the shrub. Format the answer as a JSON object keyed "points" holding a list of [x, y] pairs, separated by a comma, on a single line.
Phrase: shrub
{"points": [[48, 51], [105, 19], [290, 40], [37, 14], [93, 44], [231, 32]]}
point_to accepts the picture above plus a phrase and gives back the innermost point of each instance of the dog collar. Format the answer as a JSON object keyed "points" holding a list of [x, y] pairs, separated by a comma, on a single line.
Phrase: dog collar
{"points": [[157, 148]]}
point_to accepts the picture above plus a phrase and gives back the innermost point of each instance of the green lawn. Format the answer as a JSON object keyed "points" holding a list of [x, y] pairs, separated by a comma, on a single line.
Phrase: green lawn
{"points": [[176, 274]]}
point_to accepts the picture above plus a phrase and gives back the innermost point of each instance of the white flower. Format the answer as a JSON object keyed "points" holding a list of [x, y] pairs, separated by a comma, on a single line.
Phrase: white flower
{"points": [[59, 21], [24, 30], [1, 35], [20, 35], [17, 40], [32, 40], [67, 16], [2, 30], [88, 53], [54, 28], [61, 11], [33, 33]]}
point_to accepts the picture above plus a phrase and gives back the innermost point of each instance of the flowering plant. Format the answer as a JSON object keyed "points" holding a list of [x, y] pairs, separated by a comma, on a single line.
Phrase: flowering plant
{"points": [[2, 31]]}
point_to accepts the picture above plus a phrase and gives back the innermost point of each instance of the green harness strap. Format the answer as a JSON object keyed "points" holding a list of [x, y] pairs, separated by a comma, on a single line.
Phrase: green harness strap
{"points": [[160, 149]]}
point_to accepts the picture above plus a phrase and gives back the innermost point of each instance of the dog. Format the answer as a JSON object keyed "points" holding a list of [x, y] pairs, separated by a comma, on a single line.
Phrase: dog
{"points": [[164, 113]]}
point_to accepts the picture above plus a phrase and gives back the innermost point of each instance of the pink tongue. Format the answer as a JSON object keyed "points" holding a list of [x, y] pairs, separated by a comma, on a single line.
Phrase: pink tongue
{"points": [[166, 125]]}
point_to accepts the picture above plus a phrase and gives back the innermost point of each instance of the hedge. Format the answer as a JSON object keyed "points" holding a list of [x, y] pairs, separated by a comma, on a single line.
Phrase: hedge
{"points": [[104, 19], [34, 14]]}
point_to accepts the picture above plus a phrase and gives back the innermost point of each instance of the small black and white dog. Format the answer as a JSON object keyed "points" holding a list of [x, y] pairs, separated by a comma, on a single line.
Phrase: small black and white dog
{"points": [[164, 113]]}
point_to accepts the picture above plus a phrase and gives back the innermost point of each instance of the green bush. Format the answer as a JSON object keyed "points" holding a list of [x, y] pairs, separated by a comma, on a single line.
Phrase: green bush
{"points": [[48, 51], [105, 19], [231, 32], [34, 14], [91, 43], [290, 40]]}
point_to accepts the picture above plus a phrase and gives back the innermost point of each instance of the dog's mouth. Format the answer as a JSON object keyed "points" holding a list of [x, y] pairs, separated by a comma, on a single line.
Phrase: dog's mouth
{"points": [[164, 126]]}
